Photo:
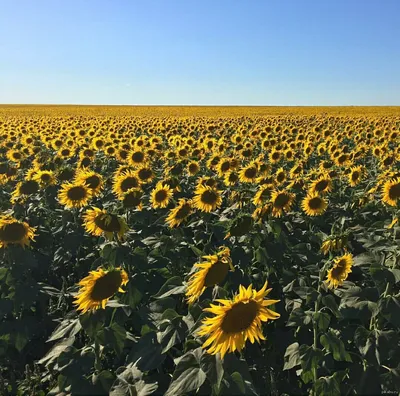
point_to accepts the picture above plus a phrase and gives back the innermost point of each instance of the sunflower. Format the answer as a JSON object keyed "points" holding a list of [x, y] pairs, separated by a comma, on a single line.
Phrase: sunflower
{"points": [[334, 243], [98, 287], [137, 157], [231, 178], [355, 175], [263, 194], [44, 178], [340, 270], [193, 168], [314, 205], [99, 222], [145, 174], [249, 173], [207, 198], [132, 198], [280, 176], [321, 185], [74, 195], [178, 214], [391, 192], [125, 181], [25, 189], [14, 232], [93, 180], [211, 272], [161, 195], [235, 321], [281, 202]]}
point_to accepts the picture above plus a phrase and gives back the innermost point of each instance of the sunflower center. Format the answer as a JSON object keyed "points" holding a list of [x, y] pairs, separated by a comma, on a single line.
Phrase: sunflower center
{"points": [[183, 212], [160, 196], [321, 185], [339, 270], [315, 203], [281, 200], [131, 200], [240, 317], [129, 182], [145, 174], [29, 187], [394, 191], [13, 232], [106, 286], [138, 157], [108, 222], [250, 173], [3, 168], [92, 181], [216, 274], [355, 175], [76, 193], [275, 156], [45, 177], [225, 166], [209, 197], [280, 177], [193, 168]]}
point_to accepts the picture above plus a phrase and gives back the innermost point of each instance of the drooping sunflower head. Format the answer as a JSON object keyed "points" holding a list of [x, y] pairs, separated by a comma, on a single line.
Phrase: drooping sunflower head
{"points": [[314, 205], [161, 195], [210, 272], [132, 198], [14, 232], [236, 321], [340, 271], [207, 198], [391, 192], [99, 222], [281, 201], [98, 287], [74, 195], [263, 194], [178, 214]]}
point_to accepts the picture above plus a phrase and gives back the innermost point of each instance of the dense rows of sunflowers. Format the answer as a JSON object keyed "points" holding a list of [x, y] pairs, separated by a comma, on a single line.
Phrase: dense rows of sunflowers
{"points": [[217, 255]]}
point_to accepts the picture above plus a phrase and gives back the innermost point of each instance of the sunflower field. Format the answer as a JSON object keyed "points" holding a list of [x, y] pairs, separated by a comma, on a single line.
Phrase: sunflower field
{"points": [[223, 252]]}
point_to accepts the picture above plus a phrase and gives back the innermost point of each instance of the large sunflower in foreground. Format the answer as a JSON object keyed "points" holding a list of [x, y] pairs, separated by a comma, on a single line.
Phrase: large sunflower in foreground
{"points": [[322, 185], [98, 287], [14, 232], [281, 202], [74, 195], [99, 222], [236, 321], [340, 270], [124, 181], [391, 192], [314, 205], [92, 179], [212, 272], [207, 198], [178, 214]]}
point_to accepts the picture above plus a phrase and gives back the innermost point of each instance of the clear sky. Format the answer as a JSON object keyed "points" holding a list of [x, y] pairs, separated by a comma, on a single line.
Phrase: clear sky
{"points": [[216, 52]]}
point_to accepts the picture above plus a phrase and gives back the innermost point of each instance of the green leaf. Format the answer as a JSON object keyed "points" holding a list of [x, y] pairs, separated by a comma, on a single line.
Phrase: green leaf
{"points": [[172, 331], [298, 317], [56, 350], [67, 328], [322, 319], [212, 366], [330, 302], [292, 357], [113, 336], [329, 386], [390, 309], [147, 353], [21, 340], [334, 345], [366, 343], [170, 287], [238, 380], [188, 375], [309, 357]]}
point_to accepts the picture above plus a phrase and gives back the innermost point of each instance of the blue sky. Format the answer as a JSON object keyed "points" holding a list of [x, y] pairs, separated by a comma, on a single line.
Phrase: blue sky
{"points": [[217, 52]]}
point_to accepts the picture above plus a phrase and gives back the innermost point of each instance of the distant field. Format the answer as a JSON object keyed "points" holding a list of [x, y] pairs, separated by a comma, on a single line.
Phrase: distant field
{"points": [[189, 111]]}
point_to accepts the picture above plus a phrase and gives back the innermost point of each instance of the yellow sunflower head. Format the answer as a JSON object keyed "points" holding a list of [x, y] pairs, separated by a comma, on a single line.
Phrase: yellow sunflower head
{"points": [[45, 178], [322, 185], [99, 222], [91, 179], [281, 201], [209, 273], [340, 271], [124, 182], [74, 195], [391, 192], [132, 198], [98, 287], [314, 205], [236, 321], [207, 199], [178, 214], [14, 232], [161, 195]]}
